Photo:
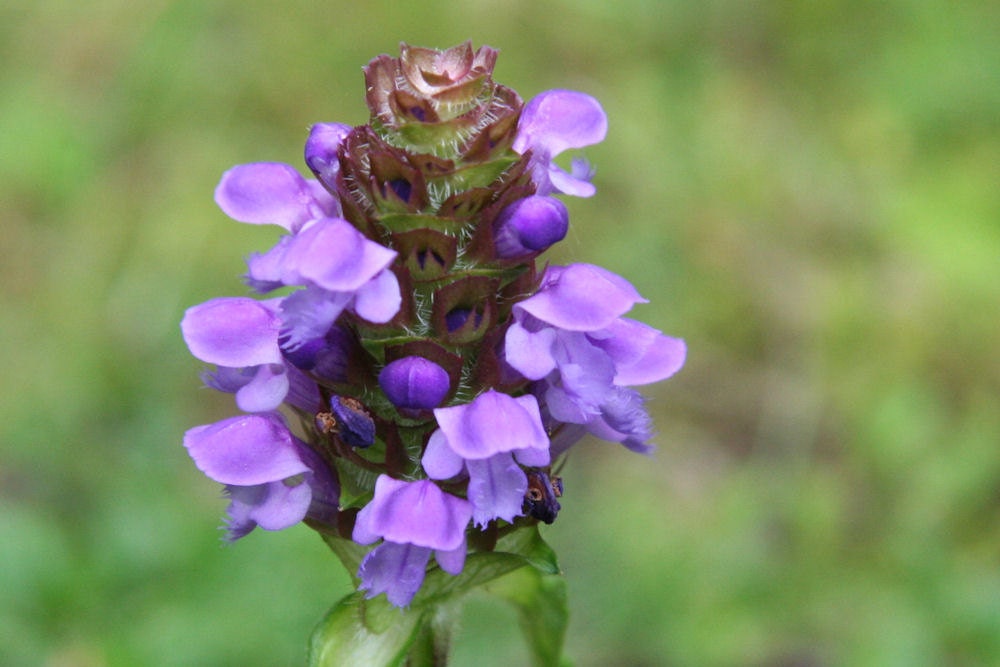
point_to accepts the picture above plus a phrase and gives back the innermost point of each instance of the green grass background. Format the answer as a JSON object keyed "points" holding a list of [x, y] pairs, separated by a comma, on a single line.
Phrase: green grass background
{"points": [[806, 191]]}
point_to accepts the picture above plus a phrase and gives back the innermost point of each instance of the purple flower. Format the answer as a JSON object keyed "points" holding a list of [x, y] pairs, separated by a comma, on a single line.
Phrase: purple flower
{"points": [[488, 438], [273, 479], [530, 225], [338, 266], [555, 121], [240, 336], [339, 269], [414, 519], [571, 338]]}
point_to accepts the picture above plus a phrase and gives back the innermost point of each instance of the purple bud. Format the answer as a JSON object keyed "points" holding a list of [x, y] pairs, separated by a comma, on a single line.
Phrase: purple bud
{"points": [[414, 383], [321, 150], [354, 425], [530, 225]]}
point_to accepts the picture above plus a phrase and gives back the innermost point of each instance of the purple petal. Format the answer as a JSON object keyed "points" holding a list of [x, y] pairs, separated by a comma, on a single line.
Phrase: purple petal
{"points": [[334, 255], [557, 120], [394, 569], [325, 205], [570, 184], [265, 391], [530, 353], [229, 380], [532, 457], [379, 299], [309, 314], [568, 407], [581, 297], [272, 506], [267, 193], [266, 272], [414, 512], [496, 488], [302, 390], [439, 460], [245, 450], [624, 419], [232, 331], [324, 486], [586, 372], [492, 423], [641, 353], [452, 561]]}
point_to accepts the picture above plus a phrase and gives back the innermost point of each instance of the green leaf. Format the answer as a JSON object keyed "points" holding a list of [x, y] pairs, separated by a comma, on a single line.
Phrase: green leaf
{"points": [[351, 634], [528, 543]]}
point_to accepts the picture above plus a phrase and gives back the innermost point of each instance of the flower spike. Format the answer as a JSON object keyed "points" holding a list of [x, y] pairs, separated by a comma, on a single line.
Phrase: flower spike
{"points": [[429, 361]]}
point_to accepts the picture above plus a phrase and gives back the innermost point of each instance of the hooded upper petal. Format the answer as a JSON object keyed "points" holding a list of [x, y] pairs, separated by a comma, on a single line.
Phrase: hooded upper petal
{"points": [[332, 254], [321, 150], [417, 513], [379, 299], [581, 297], [530, 352], [557, 120], [232, 331], [246, 450], [494, 422], [271, 193]]}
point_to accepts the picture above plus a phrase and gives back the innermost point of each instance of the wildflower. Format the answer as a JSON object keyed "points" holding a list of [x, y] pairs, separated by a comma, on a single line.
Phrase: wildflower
{"points": [[570, 338], [240, 335], [414, 519], [273, 479], [488, 438], [553, 122]]}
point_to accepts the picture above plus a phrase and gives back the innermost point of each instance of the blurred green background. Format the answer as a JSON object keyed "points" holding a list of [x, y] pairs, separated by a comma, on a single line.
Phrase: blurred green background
{"points": [[806, 192]]}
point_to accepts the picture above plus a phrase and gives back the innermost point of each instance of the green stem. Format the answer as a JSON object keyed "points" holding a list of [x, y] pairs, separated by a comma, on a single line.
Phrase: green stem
{"points": [[433, 641]]}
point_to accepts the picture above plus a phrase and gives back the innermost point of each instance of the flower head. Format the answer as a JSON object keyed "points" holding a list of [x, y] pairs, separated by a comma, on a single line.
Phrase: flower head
{"points": [[410, 329]]}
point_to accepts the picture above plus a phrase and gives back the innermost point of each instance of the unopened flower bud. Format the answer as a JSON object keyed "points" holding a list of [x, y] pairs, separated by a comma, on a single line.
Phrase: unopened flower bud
{"points": [[321, 150], [530, 225], [414, 383]]}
